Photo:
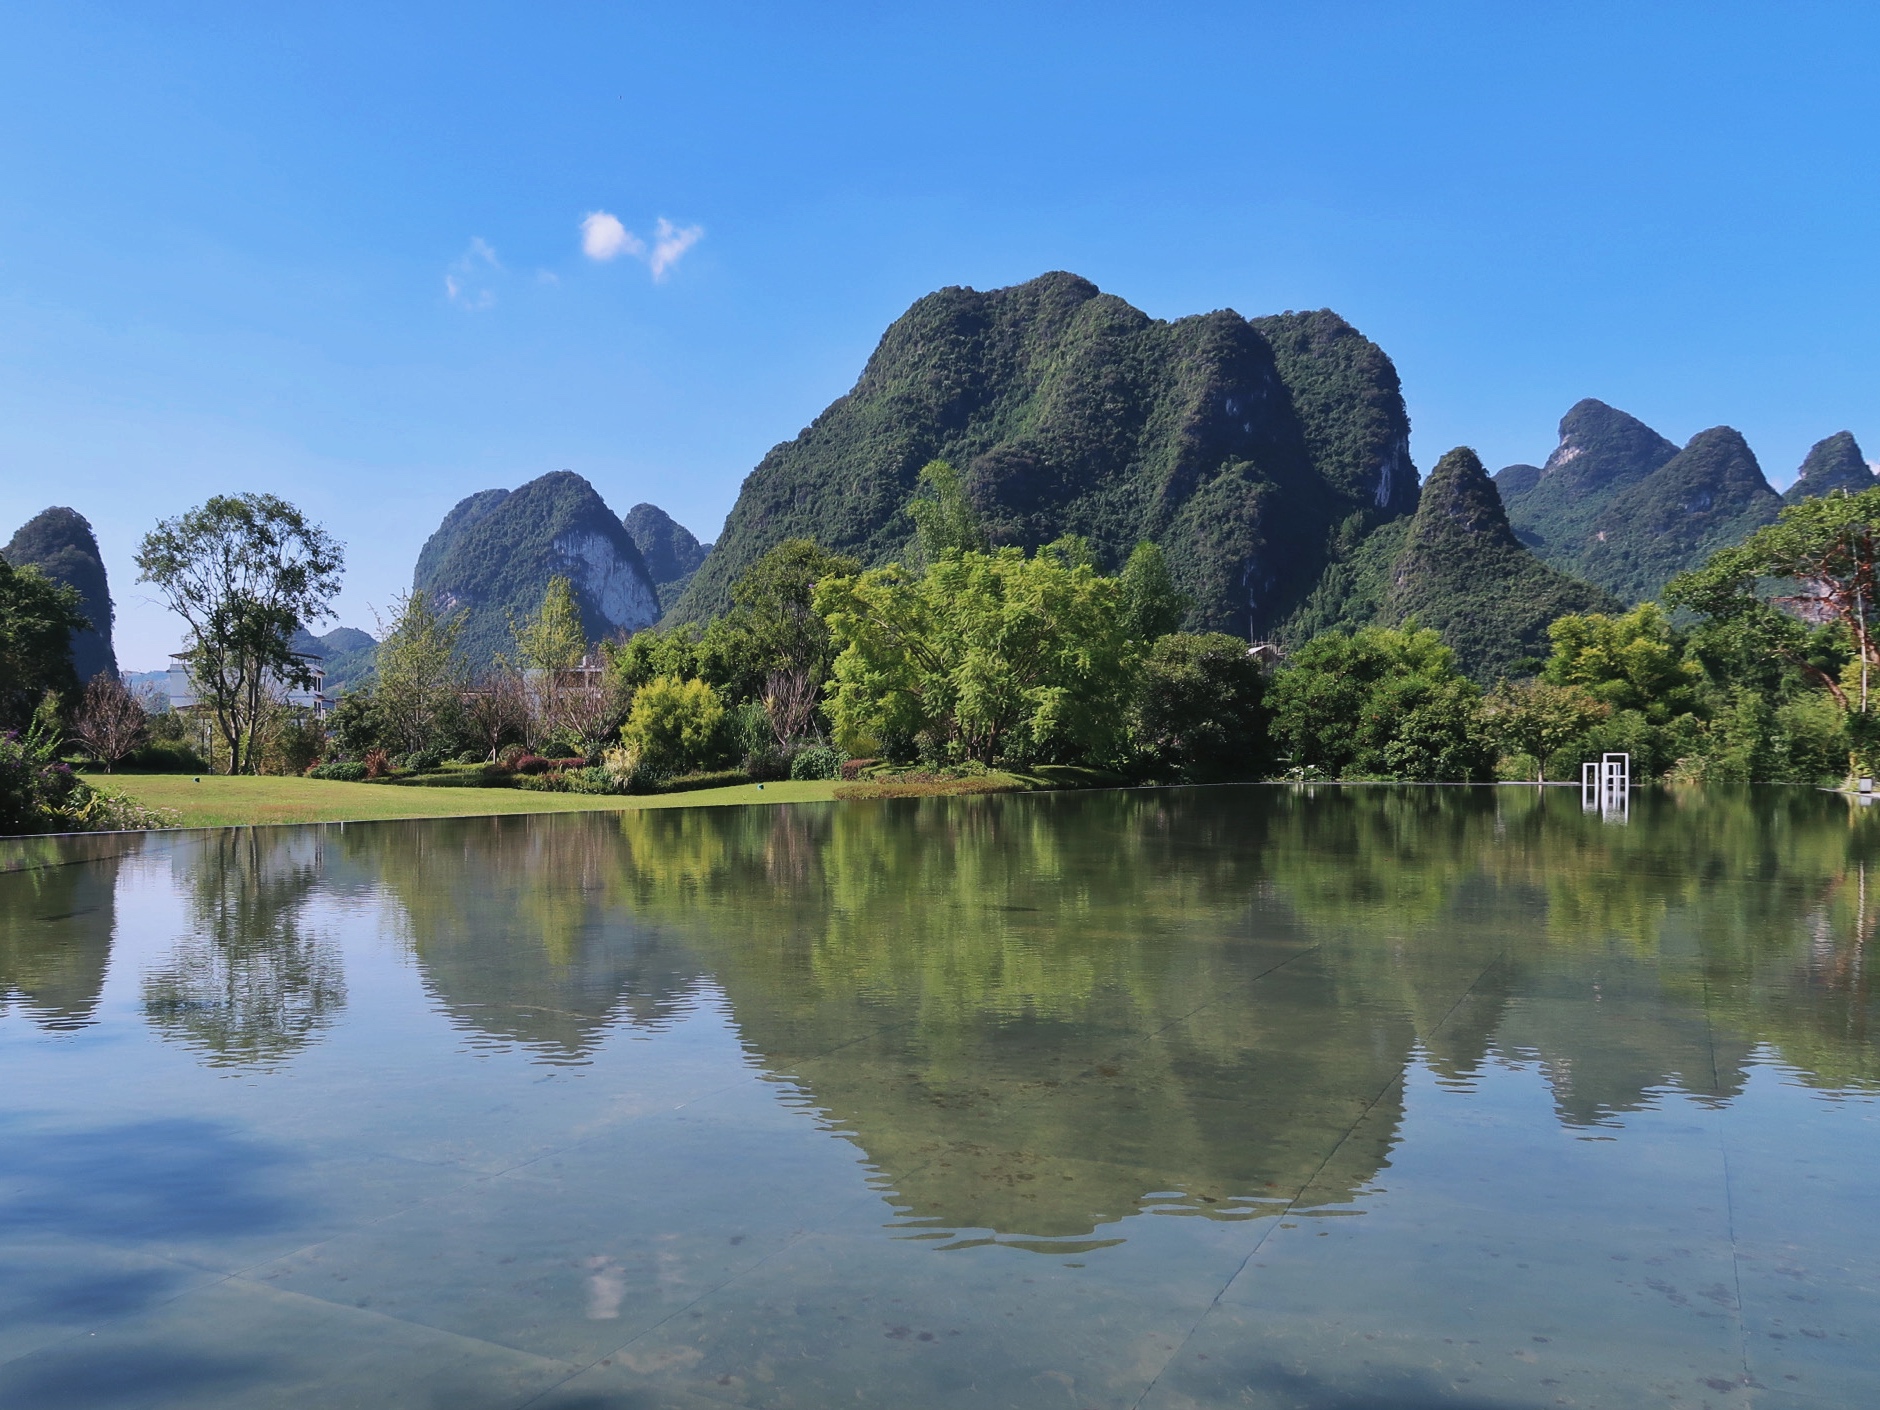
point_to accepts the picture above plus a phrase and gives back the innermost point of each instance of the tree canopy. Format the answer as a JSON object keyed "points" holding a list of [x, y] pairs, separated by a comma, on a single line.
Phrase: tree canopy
{"points": [[987, 656], [37, 620], [244, 572]]}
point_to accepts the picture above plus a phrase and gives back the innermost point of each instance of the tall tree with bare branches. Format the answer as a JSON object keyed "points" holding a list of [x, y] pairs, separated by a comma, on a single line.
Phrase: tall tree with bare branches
{"points": [[110, 721]]}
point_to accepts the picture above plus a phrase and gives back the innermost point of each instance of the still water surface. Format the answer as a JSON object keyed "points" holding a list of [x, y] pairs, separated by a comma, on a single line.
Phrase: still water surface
{"points": [[1225, 1097]]}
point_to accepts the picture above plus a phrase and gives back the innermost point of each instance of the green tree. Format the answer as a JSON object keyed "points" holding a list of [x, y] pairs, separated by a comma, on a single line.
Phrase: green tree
{"points": [[1383, 703], [1152, 605], [773, 628], [675, 725], [356, 724], [1200, 708], [37, 619], [1540, 719], [552, 638], [1633, 662], [648, 655], [988, 656], [1818, 558], [551, 642], [944, 518], [421, 673], [244, 572]]}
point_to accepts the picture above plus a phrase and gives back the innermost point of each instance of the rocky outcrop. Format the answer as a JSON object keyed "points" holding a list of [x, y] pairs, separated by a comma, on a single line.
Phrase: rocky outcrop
{"points": [[671, 552], [494, 554], [1832, 464], [59, 542], [1239, 446]]}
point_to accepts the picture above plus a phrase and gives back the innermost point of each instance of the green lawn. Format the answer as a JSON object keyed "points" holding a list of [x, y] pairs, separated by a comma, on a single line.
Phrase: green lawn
{"points": [[219, 801]]}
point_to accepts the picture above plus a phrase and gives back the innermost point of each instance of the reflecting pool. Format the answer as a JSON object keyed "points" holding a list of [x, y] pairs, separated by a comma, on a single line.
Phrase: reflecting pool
{"points": [[1251, 1096]]}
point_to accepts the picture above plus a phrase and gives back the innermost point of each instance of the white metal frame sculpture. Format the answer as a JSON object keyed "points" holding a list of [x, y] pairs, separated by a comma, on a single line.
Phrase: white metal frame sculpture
{"points": [[1606, 787]]}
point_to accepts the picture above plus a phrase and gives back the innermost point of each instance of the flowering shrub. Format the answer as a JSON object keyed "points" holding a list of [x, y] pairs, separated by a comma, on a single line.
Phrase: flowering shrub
{"points": [[36, 790], [40, 794]]}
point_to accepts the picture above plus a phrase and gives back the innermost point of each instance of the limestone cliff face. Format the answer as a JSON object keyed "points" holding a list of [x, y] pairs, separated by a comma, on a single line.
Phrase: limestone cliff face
{"points": [[495, 552], [1241, 446]]}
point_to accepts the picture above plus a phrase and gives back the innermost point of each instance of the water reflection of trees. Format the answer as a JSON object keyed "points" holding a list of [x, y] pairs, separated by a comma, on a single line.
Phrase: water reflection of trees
{"points": [[1034, 1019], [1034, 1012], [1661, 953], [252, 981], [1039, 1014], [57, 915], [521, 933]]}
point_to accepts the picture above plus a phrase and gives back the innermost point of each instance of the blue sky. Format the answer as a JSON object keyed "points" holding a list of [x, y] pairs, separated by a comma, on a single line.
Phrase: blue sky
{"points": [[337, 253]]}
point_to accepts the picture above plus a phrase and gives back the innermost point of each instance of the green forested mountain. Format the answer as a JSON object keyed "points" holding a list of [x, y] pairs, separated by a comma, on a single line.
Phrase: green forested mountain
{"points": [[1832, 464], [1244, 448], [1350, 407], [59, 542], [1602, 451], [1455, 565], [495, 552], [348, 655], [1710, 495], [1621, 506], [671, 552]]}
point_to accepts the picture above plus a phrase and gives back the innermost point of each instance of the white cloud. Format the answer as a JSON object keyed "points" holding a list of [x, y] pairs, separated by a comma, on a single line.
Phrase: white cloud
{"points": [[670, 243], [466, 282], [603, 237]]}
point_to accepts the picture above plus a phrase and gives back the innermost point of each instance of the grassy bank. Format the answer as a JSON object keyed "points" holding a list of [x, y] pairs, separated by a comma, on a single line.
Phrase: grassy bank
{"points": [[219, 801]]}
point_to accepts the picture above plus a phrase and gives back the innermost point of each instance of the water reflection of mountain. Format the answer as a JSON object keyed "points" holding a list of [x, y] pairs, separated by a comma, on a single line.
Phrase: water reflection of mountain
{"points": [[1034, 1014], [56, 923], [1036, 1019], [1039, 1014], [520, 931], [1637, 958], [253, 980]]}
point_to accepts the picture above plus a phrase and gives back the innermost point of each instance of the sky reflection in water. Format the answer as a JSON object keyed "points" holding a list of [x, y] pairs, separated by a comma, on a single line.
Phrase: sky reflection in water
{"points": [[1217, 1096]]}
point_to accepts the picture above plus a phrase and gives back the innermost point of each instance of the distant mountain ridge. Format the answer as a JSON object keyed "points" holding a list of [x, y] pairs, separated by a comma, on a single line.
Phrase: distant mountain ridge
{"points": [[347, 655], [60, 543], [1602, 450], [1834, 463], [1455, 566], [493, 556], [1626, 509], [671, 552], [1710, 495], [1244, 447]]}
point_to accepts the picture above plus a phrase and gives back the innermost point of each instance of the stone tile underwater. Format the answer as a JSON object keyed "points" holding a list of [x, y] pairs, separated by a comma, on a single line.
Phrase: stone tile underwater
{"points": [[1166, 1098]]}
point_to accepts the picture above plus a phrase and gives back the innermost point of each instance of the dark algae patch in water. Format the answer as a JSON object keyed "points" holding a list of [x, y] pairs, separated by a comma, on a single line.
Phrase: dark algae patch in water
{"points": [[1227, 1096]]}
